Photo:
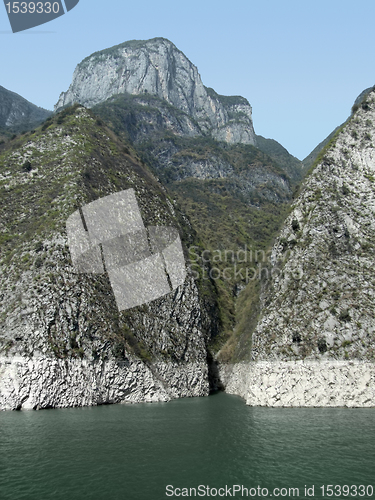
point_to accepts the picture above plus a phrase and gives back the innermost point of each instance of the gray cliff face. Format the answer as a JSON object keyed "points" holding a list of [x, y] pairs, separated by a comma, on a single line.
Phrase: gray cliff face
{"points": [[15, 111], [63, 341], [158, 68], [257, 180], [322, 260], [171, 143], [302, 383], [314, 341]]}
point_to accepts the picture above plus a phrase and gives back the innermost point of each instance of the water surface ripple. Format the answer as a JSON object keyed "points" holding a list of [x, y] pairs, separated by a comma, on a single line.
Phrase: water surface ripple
{"points": [[134, 451]]}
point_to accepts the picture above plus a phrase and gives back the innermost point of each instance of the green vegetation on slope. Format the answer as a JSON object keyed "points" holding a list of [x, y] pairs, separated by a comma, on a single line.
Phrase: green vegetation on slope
{"points": [[321, 303], [23, 114], [235, 196], [45, 175]]}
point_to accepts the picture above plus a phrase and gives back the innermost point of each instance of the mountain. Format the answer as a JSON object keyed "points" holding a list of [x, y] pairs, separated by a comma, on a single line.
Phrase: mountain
{"points": [[63, 341], [234, 195], [361, 98], [233, 185], [194, 162], [16, 113], [158, 68], [157, 76], [312, 340]]}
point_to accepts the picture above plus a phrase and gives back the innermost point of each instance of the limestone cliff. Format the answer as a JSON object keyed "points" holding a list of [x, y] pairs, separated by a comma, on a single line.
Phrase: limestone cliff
{"points": [[314, 343], [63, 341], [158, 68]]}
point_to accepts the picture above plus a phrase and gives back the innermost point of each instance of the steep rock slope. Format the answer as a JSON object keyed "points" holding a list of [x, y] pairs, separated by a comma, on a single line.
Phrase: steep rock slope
{"points": [[16, 112], [288, 163], [158, 68], [311, 158], [62, 340], [235, 195], [314, 342]]}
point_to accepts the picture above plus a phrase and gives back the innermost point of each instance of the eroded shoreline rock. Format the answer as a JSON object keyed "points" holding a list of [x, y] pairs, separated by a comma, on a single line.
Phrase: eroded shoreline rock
{"points": [[302, 383], [45, 382]]}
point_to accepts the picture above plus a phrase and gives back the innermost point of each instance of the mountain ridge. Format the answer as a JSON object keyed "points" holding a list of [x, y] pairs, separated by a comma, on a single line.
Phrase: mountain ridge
{"points": [[312, 343], [17, 113], [157, 67], [203, 170], [63, 341], [242, 191]]}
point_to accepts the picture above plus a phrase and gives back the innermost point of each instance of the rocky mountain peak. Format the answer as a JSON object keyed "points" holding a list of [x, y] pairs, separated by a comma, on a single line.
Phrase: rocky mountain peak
{"points": [[158, 68]]}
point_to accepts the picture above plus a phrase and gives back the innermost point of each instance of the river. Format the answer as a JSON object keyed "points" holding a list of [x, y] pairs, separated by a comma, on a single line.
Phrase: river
{"points": [[205, 446]]}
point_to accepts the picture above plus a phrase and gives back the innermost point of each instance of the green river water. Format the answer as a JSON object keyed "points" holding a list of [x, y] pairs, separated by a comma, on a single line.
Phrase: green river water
{"points": [[202, 447]]}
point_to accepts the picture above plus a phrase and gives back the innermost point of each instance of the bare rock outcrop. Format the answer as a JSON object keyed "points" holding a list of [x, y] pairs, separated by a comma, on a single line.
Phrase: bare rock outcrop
{"points": [[156, 67], [314, 342]]}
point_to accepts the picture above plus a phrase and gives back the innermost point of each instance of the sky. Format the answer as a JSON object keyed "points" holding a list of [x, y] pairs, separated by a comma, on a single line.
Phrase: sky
{"points": [[300, 63]]}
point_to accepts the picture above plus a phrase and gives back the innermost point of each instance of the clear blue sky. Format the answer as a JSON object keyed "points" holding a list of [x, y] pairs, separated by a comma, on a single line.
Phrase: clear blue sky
{"points": [[300, 63]]}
